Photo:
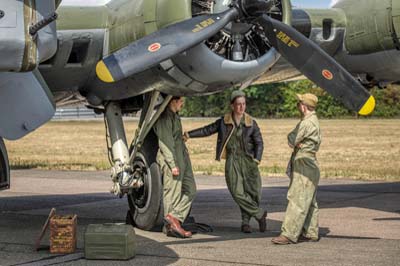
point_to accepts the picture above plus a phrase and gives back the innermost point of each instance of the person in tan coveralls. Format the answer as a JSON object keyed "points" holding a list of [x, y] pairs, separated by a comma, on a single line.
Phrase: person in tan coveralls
{"points": [[301, 218]]}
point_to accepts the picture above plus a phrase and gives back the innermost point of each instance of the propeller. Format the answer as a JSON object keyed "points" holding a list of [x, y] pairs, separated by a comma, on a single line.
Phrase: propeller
{"points": [[302, 53], [317, 65], [161, 45]]}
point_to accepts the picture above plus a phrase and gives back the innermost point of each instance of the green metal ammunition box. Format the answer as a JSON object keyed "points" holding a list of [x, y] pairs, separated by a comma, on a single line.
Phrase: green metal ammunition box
{"points": [[110, 242]]}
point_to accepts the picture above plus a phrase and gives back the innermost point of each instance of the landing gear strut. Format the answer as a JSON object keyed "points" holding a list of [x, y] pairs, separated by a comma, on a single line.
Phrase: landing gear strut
{"points": [[135, 171]]}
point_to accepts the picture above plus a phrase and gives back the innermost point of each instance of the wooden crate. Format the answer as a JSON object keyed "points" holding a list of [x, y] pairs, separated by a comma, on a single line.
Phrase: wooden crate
{"points": [[63, 233]]}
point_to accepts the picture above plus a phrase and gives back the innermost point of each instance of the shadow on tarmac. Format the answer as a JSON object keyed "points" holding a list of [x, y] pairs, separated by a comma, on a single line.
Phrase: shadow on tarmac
{"points": [[19, 231], [365, 195], [218, 204]]}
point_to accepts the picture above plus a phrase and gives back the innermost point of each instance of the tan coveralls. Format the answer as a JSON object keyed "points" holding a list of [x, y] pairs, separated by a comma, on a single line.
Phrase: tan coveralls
{"points": [[302, 210], [179, 191]]}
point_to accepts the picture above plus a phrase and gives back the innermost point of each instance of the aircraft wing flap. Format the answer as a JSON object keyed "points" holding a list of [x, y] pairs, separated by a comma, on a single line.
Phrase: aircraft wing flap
{"points": [[25, 103]]}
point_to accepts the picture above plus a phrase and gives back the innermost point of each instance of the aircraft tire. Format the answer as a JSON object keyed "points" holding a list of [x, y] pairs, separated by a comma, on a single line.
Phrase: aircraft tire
{"points": [[4, 167], [145, 204]]}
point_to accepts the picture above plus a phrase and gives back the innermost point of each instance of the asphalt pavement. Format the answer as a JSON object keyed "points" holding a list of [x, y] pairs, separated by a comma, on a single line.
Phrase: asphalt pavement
{"points": [[359, 223]]}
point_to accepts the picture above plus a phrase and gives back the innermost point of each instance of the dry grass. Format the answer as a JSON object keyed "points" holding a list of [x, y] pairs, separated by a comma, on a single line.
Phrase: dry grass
{"points": [[361, 149]]}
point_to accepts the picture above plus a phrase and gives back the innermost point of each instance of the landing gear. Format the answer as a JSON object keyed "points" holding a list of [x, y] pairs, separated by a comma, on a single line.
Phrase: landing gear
{"points": [[4, 167], [135, 171], [145, 203]]}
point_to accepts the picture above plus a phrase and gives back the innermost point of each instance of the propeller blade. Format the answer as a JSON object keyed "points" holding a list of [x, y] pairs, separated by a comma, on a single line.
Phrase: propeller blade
{"points": [[161, 45], [317, 65]]}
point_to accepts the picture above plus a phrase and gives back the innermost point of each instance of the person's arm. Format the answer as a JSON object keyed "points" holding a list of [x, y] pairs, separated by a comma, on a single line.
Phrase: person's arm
{"points": [[204, 131], [302, 133], [163, 130], [258, 142], [292, 136]]}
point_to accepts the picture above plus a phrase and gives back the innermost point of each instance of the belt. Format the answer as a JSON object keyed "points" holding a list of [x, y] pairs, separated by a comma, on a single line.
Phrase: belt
{"points": [[305, 154]]}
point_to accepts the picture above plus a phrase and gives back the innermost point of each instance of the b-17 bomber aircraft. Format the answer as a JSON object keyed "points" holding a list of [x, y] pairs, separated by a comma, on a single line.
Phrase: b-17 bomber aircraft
{"points": [[123, 56]]}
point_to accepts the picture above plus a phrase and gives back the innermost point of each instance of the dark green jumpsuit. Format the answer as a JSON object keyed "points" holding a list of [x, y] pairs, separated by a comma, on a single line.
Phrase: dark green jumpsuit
{"points": [[179, 191], [243, 177]]}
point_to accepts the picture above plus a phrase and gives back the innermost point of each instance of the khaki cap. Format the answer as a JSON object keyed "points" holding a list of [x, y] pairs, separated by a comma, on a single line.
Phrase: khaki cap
{"points": [[237, 93], [308, 99]]}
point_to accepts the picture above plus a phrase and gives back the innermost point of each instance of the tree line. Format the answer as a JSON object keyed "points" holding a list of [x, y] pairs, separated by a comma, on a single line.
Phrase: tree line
{"points": [[279, 101]]}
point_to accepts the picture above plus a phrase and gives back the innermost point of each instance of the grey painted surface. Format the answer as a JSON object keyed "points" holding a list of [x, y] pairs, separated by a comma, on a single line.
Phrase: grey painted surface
{"points": [[25, 103], [12, 37]]}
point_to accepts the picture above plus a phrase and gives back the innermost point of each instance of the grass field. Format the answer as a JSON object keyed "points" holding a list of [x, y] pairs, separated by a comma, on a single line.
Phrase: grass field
{"points": [[360, 149]]}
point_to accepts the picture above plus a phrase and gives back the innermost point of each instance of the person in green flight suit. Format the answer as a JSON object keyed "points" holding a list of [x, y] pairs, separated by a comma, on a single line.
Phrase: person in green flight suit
{"points": [[240, 142], [179, 185], [301, 218]]}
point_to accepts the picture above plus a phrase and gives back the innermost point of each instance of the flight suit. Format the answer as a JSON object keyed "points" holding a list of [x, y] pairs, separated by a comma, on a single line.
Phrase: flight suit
{"points": [[302, 210], [178, 191], [242, 176]]}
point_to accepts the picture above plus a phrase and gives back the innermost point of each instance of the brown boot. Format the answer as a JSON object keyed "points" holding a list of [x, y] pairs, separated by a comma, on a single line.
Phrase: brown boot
{"points": [[174, 227], [281, 240], [262, 222], [245, 228]]}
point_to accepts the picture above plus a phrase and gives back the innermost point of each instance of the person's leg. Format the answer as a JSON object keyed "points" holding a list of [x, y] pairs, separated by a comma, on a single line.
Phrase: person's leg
{"points": [[245, 217], [235, 182], [245, 227], [252, 187], [188, 192], [172, 187], [311, 228], [171, 190], [300, 197], [168, 184], [252, 180]]}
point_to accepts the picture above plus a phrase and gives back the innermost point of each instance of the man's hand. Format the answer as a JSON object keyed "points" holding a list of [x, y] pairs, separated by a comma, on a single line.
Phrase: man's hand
{"points": [[185, 136], [175, 171]]}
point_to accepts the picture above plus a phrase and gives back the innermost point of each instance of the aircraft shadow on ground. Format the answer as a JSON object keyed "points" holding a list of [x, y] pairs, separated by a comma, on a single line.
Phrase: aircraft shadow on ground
{"points": [[367, 196], [148, 250], [13, 239], [218, 204], [375, 196]]}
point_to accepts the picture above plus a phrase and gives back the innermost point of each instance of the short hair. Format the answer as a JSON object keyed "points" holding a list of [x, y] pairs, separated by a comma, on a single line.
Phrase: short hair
{"points": [[174, 98]]}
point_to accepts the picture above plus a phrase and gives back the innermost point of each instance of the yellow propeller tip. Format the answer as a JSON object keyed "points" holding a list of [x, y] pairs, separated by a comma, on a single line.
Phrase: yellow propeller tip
{"points": [[103, 73], [368, 107]]}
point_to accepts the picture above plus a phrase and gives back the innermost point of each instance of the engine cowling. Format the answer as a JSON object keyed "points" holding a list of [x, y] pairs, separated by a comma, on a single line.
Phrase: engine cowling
{"points": [[234, 57], [237, 55], [371, 27]]}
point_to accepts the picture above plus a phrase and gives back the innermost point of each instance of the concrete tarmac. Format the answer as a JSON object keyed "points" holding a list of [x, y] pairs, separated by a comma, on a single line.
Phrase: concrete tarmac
{"points": [[359, 223]]}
